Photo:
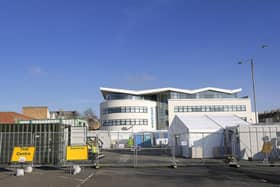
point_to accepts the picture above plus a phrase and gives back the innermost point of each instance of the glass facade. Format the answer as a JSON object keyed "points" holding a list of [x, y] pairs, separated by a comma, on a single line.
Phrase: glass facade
{"points": [[152, 117], [120, 96], [125, 109], [123, 122], [211, 108], [214, 95], [170, 95], [177, 95], [161, 111]]}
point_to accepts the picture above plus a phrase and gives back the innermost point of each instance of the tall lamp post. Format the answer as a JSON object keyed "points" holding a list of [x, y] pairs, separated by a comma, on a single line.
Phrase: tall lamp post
{"points": [[253, 82], [251, 61]]}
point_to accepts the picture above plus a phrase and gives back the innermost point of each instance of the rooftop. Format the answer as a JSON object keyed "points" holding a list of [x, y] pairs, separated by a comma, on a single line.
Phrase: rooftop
{"points": [[160, 90], [12, 117], [210, 122]]}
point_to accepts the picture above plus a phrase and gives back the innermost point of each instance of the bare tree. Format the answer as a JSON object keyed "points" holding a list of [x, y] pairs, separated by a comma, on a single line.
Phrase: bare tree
{"points": [[88, 113], [92, 119]]}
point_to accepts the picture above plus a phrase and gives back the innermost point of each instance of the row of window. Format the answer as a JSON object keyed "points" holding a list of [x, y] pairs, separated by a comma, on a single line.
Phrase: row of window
{"points": [[164, 96], [117, 96], [118, 122], [126, 109], [211, 108]]}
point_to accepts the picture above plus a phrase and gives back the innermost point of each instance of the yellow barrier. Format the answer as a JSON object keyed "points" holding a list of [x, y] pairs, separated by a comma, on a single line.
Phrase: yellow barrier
{"points": [[77, 153], [23, 154], [267, 147]]}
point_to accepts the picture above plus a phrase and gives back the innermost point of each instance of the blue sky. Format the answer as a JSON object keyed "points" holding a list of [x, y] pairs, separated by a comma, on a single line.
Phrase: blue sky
{"points": [[59, 52]]}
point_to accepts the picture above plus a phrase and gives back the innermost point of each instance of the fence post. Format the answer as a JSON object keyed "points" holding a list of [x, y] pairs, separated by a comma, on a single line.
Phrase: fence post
{"points": [[203, 146], [172, 149], [97, 166]]}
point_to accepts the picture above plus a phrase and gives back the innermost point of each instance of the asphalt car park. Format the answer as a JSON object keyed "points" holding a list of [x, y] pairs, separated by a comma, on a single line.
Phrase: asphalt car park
{"points": [[199, 175]]}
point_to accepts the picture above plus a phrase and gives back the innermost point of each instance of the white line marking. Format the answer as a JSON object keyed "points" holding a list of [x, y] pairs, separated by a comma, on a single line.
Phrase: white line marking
{"points": [[68, 178], [86, 179]]}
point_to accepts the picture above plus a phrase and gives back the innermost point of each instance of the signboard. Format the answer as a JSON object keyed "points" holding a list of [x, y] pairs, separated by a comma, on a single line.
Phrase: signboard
{"points": [[77, 153], [23, 154], [267, 147]]}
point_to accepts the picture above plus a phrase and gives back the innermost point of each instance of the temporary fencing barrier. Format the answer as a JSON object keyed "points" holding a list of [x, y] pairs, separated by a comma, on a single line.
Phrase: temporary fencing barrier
{"points": [[129, 149], [49, 140]]}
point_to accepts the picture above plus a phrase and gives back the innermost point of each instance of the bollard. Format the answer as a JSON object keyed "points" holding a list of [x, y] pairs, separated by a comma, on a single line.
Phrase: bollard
{"points": [[20, 172], [28, 169], [77, 169]]}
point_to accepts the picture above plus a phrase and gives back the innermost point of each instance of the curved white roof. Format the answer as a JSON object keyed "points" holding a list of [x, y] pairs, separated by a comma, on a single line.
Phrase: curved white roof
{"points": [[158, 90]]}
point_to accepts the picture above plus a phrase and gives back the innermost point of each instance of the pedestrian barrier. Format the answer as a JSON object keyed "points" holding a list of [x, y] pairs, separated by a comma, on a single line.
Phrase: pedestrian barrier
{"points": [[41, 145], [59, 145]]}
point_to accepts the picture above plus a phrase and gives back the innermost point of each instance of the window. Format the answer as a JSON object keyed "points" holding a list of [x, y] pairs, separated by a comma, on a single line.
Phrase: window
{"points": [[210, 108], [226, 108], [127, 122], [145, 122], [125, 109], [132, 109], [133, 122], [181, 109], [123, 122], [145, 110], [203, 109]]}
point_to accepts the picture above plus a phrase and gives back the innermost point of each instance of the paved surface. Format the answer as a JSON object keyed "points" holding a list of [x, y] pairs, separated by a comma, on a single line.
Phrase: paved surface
{"points": [[209, 175]]}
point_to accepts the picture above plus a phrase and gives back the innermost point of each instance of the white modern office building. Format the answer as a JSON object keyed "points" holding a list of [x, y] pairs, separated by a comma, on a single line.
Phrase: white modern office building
{"points": [[154, 109]]}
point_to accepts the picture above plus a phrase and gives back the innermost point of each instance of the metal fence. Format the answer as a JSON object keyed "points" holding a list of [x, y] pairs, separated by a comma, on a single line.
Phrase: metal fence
{"points": [[129, 149], [253, 143], [144, 149], [50, 142], [189, 147], [49, 146]]}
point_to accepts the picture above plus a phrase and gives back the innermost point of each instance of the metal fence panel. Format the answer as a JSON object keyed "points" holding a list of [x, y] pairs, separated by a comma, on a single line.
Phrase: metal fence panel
{"points": [[49, 141]]}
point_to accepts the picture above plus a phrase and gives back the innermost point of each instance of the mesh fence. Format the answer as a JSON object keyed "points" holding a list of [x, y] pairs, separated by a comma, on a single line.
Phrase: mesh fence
{"points": [[146, 149]]}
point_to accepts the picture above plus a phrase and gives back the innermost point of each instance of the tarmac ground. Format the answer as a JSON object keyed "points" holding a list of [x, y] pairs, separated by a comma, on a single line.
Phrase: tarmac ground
{"points": [[194, 175]]}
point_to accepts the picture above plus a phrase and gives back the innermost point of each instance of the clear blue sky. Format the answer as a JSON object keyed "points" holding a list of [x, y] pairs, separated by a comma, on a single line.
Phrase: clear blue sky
{"points": [[59, 52]]}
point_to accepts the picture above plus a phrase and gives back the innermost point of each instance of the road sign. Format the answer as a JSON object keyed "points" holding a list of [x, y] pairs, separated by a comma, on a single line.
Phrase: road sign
{"points": [[23, 154], [77, 153]]}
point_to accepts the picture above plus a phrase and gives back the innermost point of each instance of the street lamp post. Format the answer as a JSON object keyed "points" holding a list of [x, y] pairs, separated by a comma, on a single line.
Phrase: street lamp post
{"points": [[254, 85], [253, 81]]}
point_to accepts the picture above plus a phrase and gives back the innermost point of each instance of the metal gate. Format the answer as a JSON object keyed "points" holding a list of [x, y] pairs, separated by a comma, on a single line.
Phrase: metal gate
{"points": [[118, 151]]}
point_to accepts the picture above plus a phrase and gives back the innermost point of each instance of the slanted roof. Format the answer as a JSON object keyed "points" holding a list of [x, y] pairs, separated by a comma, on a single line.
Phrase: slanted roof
{"points": [[198, 123], [228, 120], [205, 123], [159, 90], [12, 117]]}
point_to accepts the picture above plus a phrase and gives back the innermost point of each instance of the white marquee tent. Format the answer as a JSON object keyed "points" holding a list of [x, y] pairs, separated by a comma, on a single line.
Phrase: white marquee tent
{"points": [[200, 136]]}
